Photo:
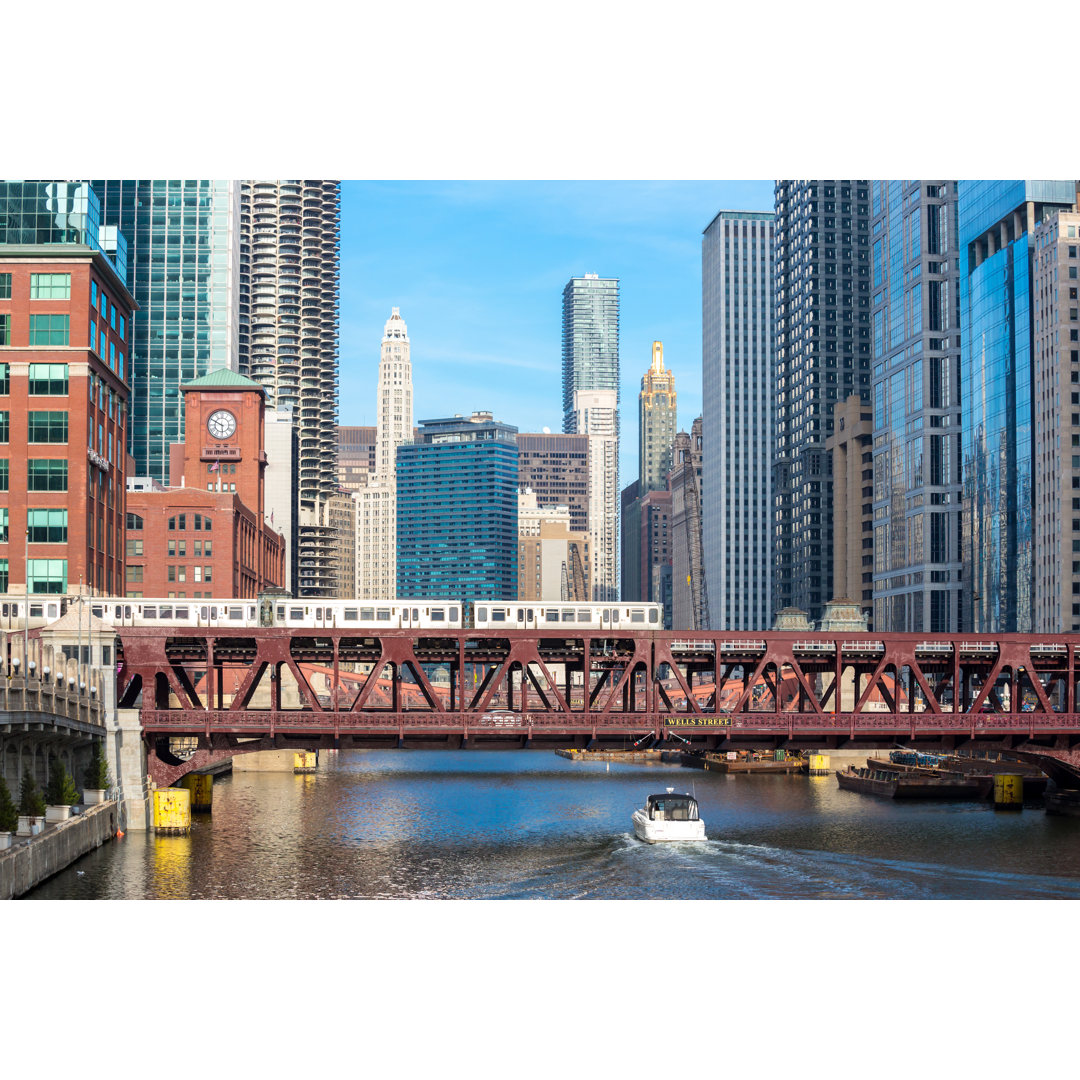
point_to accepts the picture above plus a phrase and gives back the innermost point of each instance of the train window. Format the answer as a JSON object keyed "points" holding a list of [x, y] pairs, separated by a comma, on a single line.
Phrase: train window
{"points": [[296, 613], [127, 612], [204, 613], [415, 614], [165, 612], [4, 610], [182, 613], [36, 610], [367, 614], [98, 610], [584, 616], [236, 613], [654, 615], [318, 613], [481, 614], [551, 616], [54, 611], [637, 615], [382, 614], [529, 614], [521, 615], [453, 614], [351, 614], [567, 616], [281, 611], [614, 614], [498, 614], [438, 615], [606, 615], [213, 611], [149, 612]]}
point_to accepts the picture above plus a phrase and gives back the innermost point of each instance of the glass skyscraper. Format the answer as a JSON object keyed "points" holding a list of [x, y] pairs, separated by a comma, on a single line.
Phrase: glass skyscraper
{"points": [[916, 377], [184, 266], [997, 218], [822, 335], [590, 340], [457, 510]]}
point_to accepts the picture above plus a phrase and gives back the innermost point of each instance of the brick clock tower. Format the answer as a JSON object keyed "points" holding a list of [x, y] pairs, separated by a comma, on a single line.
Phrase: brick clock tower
{"points": [[223, 437]]}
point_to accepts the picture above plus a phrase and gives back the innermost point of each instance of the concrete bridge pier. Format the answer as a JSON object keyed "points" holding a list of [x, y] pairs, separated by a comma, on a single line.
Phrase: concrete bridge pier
{"points": [[127, 763]]}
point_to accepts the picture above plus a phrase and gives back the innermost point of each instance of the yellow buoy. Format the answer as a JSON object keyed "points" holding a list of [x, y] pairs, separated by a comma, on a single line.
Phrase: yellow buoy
{"points": [[819, 764], [172, 810], [1008, 792], [304, 761]]}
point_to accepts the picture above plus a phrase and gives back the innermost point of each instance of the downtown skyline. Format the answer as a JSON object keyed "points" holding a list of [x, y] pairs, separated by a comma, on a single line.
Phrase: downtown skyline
{"points": [[477, 269]]}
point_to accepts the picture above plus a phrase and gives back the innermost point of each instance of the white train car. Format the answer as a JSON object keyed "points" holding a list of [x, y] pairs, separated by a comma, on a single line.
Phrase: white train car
{"points": [[545, 615]]}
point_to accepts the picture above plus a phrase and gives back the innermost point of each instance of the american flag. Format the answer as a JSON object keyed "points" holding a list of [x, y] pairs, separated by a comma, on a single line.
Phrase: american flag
{"points": [[215, 467]]}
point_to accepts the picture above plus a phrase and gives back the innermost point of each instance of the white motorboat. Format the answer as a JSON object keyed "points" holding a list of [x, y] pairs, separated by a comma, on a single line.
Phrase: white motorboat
{"points": [[668, 817]]}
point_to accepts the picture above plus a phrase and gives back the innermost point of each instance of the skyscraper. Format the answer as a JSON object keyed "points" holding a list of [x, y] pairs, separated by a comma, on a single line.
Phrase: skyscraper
{"points": [[457, 510], [656, 422], [915, 551], [997, 315], [590, 352], [288, 342], [376, 570], [689, 597], [184, 272], [737, 419], [822, 338]]}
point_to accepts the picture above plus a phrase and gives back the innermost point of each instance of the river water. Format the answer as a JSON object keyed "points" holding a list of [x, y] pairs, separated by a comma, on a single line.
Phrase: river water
{"points": [[529, 824]]}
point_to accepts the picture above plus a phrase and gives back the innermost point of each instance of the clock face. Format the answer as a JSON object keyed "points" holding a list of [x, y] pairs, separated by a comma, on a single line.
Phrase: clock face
{"points": [[221, 424]]}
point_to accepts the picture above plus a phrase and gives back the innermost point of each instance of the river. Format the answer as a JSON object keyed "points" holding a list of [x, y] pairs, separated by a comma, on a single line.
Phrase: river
{"points": [[529, 824]]}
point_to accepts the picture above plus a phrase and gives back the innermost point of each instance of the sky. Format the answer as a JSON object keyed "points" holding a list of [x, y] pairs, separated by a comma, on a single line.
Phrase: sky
{"points": [[478, 268]]}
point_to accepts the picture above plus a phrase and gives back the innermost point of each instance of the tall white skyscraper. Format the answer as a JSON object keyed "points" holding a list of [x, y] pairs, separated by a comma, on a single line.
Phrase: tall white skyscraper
{"points": [[737, 419], [376, 561], [596, 415]]}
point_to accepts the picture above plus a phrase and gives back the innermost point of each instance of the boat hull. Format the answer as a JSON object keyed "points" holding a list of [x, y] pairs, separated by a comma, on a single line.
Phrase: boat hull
{"points": [[896, 785], [659, 832]]}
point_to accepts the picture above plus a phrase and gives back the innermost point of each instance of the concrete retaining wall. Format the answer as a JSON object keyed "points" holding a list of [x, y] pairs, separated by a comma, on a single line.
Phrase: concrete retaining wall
{"points": [[29, 864]]}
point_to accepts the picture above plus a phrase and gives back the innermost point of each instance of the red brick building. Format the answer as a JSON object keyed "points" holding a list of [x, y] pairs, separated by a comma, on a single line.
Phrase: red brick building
{"points": [[65, 321], [205, 534]]}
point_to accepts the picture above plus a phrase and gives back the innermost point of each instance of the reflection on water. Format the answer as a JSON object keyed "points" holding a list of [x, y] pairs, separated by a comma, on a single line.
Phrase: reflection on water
{"points": [[527, 824]]}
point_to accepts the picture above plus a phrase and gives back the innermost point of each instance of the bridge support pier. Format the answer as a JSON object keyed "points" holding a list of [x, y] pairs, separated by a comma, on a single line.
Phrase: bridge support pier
{"points": [[127, 763]]}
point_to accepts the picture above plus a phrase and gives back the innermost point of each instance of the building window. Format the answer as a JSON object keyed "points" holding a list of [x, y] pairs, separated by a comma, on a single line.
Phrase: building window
{"points": [[48, 379], [47, 526], [47, 427], [49, 329], [5, 286], [93, 293], [3, 576], [46, 474], [93, 335], [112, 316], [122, 328], [5, 329], [5, 379], [134, 547], [112, 355], [3, 524], [47, 575], [5, 425], [50, 286], [134, 573], [3, 474], [134, 522], [172, 573], [207, 572]]}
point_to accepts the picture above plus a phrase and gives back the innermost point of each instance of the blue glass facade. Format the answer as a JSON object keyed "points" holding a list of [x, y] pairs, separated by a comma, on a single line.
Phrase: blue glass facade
{"points": [[184, 252], [996, 219], [590, 340], [457, 511]]}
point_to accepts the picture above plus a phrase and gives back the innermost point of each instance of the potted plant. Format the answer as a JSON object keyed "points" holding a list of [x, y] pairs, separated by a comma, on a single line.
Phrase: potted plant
{"points": [[31, 806], [9, 815], [96, 779], [61, 794]]}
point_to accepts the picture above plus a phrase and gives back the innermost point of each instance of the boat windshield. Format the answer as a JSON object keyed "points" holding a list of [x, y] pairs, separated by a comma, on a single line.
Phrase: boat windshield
{"points": [[672, 808]]}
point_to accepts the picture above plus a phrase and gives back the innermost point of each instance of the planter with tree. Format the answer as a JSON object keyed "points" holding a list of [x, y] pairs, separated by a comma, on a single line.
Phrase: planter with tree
{"points": [[31, 806], [96, 779], [9, 815], [61, 793]]}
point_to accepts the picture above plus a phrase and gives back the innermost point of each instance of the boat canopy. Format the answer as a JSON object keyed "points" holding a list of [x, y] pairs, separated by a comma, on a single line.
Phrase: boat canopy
{"points": [[672, 808]]}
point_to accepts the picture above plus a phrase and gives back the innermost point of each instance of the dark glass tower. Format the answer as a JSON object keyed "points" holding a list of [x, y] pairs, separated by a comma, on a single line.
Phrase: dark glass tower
{"points": [[590, 340], [822, 336]]}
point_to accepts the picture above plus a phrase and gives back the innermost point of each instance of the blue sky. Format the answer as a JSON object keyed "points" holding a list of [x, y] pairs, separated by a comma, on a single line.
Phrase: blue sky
{"points": [[478, 269]]}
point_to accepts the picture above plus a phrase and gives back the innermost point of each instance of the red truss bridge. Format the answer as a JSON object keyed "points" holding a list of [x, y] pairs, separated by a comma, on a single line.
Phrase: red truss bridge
{"points": [[235, 689]]}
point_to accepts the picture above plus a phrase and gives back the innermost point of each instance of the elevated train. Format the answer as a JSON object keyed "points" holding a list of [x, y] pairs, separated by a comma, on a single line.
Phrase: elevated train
{"points": [[322, 614]]}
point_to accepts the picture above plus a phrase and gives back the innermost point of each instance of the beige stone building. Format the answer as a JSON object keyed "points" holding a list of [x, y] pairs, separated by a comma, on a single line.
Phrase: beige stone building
{"points": [[851, 446], [553, 561], [1056, 410]]}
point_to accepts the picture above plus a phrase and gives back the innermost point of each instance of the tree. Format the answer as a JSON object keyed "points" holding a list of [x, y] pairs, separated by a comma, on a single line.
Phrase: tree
{"points": [[9, 812], [96, 777], [61, 790], [31, 801]]}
